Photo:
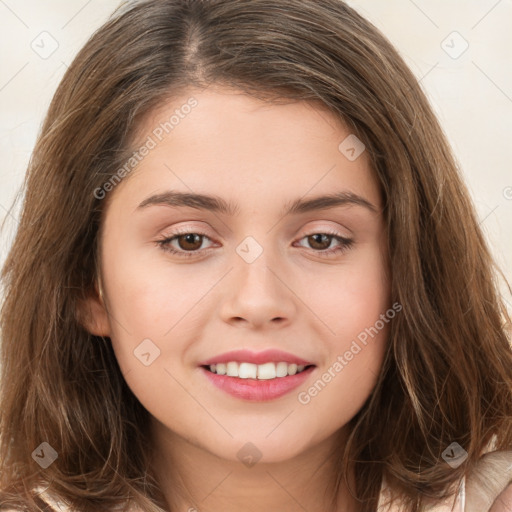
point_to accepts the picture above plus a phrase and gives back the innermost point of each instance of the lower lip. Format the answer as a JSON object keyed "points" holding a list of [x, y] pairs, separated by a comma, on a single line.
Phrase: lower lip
{"points": [[258, 390]]}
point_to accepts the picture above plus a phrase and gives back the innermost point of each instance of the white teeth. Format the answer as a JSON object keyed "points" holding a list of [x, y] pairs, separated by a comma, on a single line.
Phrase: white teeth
{"points": [[247, 371], [281, 369], [232, 369], [265, 371]]}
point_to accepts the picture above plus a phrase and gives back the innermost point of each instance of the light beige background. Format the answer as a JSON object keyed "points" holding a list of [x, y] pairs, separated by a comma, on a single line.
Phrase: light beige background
{"points": [[471, 93]]}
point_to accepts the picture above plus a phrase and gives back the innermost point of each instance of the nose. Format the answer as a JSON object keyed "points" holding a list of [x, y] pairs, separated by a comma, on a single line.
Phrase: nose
{"points": [[258, 294]]}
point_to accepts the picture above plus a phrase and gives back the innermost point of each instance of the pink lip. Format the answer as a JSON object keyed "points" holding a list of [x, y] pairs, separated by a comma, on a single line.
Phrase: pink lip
{"points": [[246, 356], [257, 390]]}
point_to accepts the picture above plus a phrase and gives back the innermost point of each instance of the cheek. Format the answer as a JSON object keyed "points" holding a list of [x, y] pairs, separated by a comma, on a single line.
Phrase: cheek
{"points": [[363, 322], [150, 295], [355, 305], [347, 378], [143, 305], [342, 388], [352, 297], [164, 303]]}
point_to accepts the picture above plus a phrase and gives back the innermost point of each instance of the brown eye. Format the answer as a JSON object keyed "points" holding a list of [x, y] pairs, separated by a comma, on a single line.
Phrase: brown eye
{"points": [[186, 244], [190, 241], [321, 242], [316, 242]]}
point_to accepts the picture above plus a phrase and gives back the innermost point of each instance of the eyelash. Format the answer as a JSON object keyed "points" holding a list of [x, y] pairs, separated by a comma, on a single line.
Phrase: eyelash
{"points": [[164, 244]]}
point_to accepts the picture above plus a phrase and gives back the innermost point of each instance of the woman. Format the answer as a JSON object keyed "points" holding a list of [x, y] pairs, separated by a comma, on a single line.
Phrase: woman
{"points": [[338, 342]]}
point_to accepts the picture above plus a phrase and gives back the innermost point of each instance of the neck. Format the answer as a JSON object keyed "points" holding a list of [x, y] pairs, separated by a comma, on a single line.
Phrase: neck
{"points": [[194, 479]]}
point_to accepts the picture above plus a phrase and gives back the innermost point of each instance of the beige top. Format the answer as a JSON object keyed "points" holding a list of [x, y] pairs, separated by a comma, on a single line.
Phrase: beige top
{"points": [[475, 494], [455, 504]]}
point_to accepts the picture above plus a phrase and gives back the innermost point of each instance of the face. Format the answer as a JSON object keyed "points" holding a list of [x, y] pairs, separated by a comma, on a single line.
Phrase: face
{"points": [[258, 266]]}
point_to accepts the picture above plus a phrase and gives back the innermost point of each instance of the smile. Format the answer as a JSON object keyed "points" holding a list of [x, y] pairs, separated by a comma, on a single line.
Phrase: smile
{"points": [[267, 387], [265, 371]]}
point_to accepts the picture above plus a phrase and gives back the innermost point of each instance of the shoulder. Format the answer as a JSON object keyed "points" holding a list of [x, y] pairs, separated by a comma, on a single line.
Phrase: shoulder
{"points": [[488, 488], [390, 501]]}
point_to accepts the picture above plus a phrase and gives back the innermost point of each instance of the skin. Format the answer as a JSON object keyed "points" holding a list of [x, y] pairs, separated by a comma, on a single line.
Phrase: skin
{"points": [[291, 297]]}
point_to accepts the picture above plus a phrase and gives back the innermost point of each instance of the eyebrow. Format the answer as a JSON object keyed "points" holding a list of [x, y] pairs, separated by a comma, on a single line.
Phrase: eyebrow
{"points": [[217, 204]]}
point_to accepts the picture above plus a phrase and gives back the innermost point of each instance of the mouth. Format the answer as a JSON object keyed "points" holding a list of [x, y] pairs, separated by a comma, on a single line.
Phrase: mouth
{"points": [[268, 386], [266, 371], [257, 376]]}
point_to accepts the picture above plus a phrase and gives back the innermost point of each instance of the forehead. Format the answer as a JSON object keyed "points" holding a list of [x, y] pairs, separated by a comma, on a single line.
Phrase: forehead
{"points": [[236, 146]]}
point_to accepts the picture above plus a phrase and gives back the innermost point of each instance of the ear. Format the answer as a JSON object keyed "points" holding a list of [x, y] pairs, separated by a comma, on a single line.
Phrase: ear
{"points": [[92, 313]]}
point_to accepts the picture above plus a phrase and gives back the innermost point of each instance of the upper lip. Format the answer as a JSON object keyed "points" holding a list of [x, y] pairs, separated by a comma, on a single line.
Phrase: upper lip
{"points": [[247, 356]]}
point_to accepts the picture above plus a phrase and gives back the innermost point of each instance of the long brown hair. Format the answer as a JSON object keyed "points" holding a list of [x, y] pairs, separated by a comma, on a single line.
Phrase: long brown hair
{"points": [[447, 374]]}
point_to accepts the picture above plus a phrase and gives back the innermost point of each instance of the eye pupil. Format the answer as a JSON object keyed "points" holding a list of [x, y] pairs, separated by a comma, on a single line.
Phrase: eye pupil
{"points": [[315, 241], [190, 238]]}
